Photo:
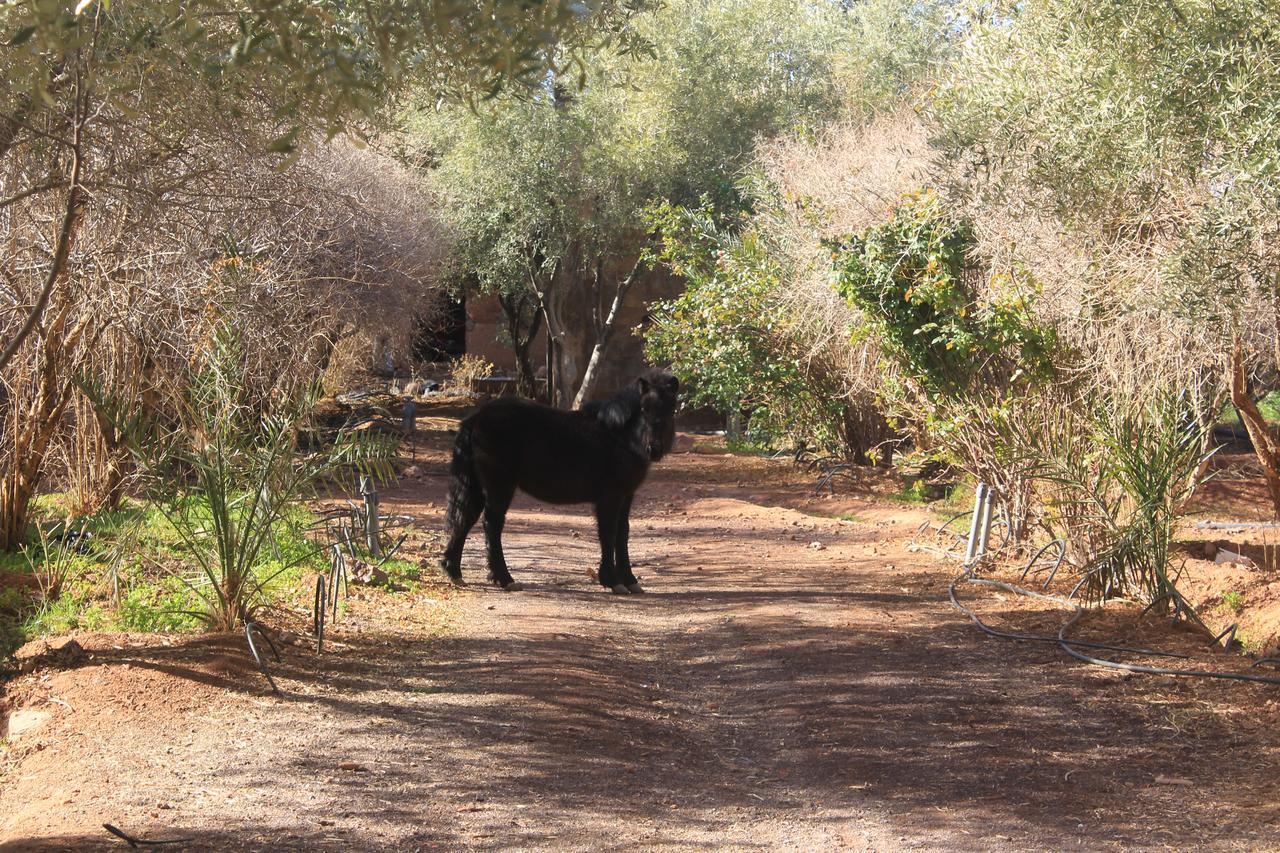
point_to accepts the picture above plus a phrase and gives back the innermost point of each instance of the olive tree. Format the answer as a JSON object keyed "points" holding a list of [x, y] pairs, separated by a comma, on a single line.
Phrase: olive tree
{"points": [[1142, 134], [548, 193]]}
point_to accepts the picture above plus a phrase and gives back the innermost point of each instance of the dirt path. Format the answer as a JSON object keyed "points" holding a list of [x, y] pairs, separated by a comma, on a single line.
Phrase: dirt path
{"points": [[768, 693]]}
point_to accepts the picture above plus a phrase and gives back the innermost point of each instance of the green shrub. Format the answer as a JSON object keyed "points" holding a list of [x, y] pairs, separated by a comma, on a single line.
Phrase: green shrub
{"points": [[167, 604], [729, 337], [913, 277]]}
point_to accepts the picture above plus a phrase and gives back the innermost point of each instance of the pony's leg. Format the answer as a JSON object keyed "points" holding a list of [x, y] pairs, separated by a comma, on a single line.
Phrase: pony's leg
{"points": [[465, 506], [623, 555], [607, 527], [496, 503]]}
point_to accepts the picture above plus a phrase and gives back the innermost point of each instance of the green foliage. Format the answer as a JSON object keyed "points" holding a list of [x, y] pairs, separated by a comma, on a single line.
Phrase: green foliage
{"points": [[134, 576], [1234, 602], [912, 277], [895, 46], [1146, 122], [1268, 406], [166, 604], [323, 62], [1117, 475], [558, 183], [727, 335]]}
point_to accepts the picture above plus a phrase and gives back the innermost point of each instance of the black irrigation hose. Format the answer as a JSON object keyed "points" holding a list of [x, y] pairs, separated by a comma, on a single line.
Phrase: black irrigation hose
{"points": [[133, 841], [1037, 638], [249, 628], [1070, 646]]}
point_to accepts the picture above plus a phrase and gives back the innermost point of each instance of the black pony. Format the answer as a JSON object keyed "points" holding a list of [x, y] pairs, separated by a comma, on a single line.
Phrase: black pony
{"points": [[597, 455]]}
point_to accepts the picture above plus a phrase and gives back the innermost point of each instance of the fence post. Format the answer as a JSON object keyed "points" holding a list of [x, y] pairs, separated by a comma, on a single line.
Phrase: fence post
{"points": [[981, 503], [410, 425]]}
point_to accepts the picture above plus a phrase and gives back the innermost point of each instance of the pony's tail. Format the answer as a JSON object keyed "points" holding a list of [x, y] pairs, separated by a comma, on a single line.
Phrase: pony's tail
{"points": [[465, 501]]}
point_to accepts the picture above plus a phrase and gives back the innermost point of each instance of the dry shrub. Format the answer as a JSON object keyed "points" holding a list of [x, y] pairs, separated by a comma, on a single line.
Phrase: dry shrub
{"points": [[842, 182], [466, 372], [1106, 289], [300, 258], [388, 252]]}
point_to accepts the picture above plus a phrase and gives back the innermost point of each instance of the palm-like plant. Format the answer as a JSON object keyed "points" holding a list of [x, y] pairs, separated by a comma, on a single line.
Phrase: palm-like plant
{"points": [[223, 461], [1118, 480]]}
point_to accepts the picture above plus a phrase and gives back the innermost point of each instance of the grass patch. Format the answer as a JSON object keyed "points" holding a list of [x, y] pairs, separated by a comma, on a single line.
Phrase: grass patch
{"points": [[1268, 406], [912, 493], [134, 572], [749, 446], [403, 573]]}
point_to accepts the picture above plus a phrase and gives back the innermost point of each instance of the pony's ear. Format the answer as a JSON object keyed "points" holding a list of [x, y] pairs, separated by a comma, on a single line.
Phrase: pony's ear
{"points": [[643, 384]]}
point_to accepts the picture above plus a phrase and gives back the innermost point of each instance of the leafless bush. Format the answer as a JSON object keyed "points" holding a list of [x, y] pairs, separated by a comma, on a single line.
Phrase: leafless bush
{"points": [[387, 253], [169, 245], [466, 372]]}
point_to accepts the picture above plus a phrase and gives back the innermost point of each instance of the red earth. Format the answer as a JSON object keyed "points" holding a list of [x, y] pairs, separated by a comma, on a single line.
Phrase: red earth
{"points": [[794, 679]]}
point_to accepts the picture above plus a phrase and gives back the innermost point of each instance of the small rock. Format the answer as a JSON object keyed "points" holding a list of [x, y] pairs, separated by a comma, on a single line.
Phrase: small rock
{"points": [[366, 575], [1225, 556], [413, 471], [42, 654], [352, 766], [817, 546], [24, 722]]}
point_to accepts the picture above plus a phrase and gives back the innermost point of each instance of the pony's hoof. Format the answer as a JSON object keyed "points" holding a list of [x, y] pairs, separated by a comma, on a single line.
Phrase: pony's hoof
{"points": [[619, 589], [634, 588], [514, 586]]}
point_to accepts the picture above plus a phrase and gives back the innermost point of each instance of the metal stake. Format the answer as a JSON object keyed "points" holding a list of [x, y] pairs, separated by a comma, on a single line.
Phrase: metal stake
{"points": [[370, 495], [980, 500]]}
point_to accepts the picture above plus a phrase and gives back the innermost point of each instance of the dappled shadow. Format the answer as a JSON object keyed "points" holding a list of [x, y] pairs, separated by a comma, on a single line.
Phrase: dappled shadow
{"points": [[757, 683], [693, 728]]}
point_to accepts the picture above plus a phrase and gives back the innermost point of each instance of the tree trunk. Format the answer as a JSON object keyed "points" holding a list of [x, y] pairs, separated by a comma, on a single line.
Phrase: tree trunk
{"points": [[604, 331], [524, 321], [33, 426], [1266, 443], [72, 214], [1207, 399], [564, 367]]}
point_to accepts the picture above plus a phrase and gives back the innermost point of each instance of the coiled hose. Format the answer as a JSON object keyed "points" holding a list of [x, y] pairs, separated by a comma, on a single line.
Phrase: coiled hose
{"points": [[1072, 647]]}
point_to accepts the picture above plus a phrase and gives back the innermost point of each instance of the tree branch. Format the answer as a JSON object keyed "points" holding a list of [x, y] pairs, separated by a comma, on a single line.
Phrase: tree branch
{"points": [[66, 233]]}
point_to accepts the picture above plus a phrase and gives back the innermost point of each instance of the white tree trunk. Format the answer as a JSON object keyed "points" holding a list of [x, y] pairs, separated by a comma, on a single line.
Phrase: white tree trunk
{"points": [[605, 332]]}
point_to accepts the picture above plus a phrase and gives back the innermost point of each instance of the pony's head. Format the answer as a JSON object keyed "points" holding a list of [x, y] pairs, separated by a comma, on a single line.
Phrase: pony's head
{"points": [[646, 409], [658, 403]]}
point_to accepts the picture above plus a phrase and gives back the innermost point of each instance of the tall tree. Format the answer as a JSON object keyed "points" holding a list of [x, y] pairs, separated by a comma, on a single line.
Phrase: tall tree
{"points": [[548, 193], [1150, 129]]}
